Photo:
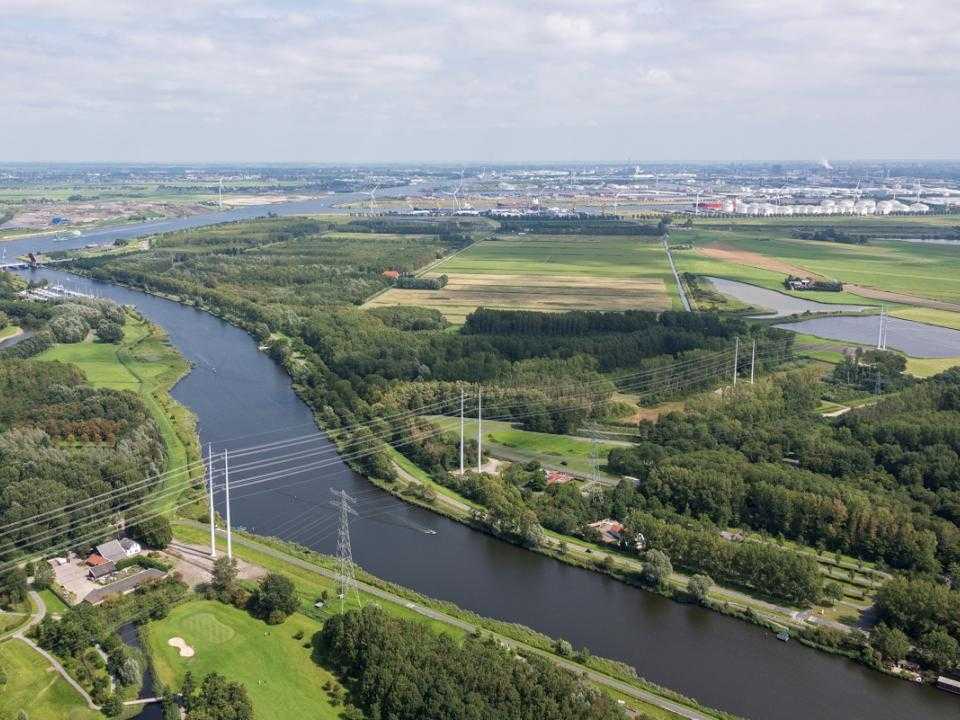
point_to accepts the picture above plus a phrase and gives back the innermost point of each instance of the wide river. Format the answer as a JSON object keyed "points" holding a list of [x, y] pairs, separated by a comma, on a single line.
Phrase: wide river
{"points": [[242, 399]]}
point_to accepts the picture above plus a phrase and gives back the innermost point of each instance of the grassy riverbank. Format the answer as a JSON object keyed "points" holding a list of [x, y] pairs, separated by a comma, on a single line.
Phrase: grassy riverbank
{"points": [[313, 573], [146, 363]]}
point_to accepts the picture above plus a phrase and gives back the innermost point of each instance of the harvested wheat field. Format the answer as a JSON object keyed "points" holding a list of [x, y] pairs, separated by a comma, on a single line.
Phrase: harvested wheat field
{"points": [[547, 273]]}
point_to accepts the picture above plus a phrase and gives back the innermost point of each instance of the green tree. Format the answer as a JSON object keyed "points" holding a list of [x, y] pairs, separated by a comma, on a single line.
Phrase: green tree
{"points": [[13, 587], [109, 332], [657, 568], [155, 532], [892, 643], [939, 649], [113, 705], [225, 573], [833, 591], [275, 598], [43, 575], [698, 586]]}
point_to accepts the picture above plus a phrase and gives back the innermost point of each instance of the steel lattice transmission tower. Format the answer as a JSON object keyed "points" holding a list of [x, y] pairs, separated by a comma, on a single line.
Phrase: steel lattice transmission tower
{"points": [[347, 577]]}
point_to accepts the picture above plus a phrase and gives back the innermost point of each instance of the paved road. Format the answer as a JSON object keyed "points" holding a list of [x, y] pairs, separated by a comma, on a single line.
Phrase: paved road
{"points": [[596, 677]]}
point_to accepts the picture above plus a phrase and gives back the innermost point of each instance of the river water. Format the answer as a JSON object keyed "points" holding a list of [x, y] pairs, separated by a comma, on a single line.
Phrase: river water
{"points": [[324, 204], [243, 399]]}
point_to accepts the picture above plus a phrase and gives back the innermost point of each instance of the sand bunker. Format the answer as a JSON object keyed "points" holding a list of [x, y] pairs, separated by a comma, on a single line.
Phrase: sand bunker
{"points": [[179, 643]]}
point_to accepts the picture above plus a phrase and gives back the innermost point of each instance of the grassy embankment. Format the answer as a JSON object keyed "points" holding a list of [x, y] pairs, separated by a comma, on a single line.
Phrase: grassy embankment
{"points": [[311, 583], [33, 686], [548, 273], [144, 362]]}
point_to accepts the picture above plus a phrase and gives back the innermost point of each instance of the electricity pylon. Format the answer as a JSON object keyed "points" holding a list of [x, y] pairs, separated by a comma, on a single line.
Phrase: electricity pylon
{"points": [[346, 575]]}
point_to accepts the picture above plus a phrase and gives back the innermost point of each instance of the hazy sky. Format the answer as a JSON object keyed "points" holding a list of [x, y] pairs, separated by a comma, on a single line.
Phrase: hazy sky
{"points": [[395, 80]]}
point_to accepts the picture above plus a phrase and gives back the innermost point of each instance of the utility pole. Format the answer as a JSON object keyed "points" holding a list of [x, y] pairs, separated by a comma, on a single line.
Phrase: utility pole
{"points": [[736, 360], [753, 361], [880, 330], [226, 483], [595, 455], [479, 430], [344, 503], [213, 527], [461, 431]]}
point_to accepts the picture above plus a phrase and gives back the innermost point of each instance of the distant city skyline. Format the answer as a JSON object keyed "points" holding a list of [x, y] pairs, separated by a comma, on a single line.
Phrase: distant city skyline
{"points": [[435, 81]]}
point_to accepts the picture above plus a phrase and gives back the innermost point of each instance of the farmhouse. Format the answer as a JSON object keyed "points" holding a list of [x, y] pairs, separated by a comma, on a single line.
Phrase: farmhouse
{"points": [[555, 477], [117, 550], [611, 531]]}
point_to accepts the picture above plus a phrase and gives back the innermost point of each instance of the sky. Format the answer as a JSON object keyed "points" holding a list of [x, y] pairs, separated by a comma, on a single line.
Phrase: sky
{"points": [[484, 81]]}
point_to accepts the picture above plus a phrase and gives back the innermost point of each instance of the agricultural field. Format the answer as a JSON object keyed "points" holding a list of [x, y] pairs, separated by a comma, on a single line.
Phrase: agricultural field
{"points": [[883, 270], [33, 687], [547, 273], [277, 670]]}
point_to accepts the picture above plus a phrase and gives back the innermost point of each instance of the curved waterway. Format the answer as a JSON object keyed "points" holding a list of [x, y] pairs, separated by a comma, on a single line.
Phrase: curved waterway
{"points": [[325, 204], [243, 399]]}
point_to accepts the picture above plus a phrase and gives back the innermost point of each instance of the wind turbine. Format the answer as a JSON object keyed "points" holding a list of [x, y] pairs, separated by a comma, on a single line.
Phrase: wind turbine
{"points": [[373, 199], [455, 193]]}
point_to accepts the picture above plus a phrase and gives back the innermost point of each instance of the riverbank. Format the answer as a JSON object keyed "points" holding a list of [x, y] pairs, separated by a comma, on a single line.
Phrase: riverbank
{"points": [[300, 563], [727, 601], [240, 394], [146, 363]]}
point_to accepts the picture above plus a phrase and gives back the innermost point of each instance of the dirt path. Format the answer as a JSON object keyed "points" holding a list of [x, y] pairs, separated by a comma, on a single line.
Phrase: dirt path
{"points": [[752, 259], [903, 298]]}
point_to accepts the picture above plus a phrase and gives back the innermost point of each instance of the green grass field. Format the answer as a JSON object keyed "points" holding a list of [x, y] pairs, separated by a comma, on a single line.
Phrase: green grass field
{"points": [[144, 362], [922, 269], [278, 672], [571, 452], [34, 687], [548, 273], [54, 604], [927, 367], [8, 331]]}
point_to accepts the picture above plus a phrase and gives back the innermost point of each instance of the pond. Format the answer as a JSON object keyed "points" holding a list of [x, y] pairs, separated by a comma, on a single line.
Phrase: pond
{"points": [[779, 304]]}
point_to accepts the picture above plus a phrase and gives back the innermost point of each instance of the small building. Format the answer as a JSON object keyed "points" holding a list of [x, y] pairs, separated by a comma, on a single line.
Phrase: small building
{"points": [[611, 531], [391, 274], [125, 586], [555, 477], [732, 535], [102, 570], [116, 550]]}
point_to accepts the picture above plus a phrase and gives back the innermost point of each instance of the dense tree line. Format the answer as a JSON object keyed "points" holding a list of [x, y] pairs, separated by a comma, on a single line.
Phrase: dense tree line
{"points": [[412, 282], [581, 225], [928, 613], [382, 661], [62, 441]]}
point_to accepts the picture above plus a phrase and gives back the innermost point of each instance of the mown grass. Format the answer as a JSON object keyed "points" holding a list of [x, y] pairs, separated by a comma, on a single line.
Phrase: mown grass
{"points": [[35, 688], [944, 318], [280, 676], [566, 450], [928, 367]]}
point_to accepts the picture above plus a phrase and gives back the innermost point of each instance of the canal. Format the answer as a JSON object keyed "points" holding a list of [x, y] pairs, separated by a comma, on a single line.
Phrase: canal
{"points": [[243, 399]]}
